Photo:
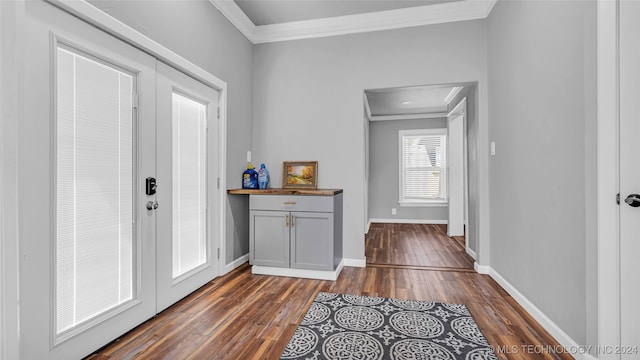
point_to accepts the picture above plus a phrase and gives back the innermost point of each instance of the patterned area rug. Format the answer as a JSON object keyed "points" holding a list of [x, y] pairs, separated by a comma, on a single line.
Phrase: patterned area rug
{"points": [[361, 327]]}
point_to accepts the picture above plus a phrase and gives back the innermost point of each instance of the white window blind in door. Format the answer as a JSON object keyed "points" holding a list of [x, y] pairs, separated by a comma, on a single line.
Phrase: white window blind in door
{"points": [[95, 236], [423, 166], [189, 172]]}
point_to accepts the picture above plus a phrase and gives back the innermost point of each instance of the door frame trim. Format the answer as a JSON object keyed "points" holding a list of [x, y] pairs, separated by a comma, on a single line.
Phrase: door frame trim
{"points": [[608, 171], [120, 30]]}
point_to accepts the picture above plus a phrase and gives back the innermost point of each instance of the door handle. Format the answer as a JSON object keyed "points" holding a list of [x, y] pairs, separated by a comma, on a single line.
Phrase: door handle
{"points": [[633, 200], [292, 221], [286, 220], [152, 205]]}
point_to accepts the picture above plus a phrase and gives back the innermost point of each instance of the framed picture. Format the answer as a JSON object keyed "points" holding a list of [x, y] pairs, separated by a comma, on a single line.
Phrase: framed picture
{"points": [[299, 174]]}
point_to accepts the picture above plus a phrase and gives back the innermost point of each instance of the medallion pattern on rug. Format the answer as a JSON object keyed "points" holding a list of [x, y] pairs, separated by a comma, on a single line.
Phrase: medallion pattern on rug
{"points": [[357, 327]]}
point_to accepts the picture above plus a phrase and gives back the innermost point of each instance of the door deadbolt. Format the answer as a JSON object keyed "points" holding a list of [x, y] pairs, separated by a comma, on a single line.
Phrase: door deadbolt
{"points": [[151, 186]]}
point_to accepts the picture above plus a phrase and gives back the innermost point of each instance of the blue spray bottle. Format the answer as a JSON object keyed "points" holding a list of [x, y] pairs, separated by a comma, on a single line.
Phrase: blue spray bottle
{"points": [[263, 177]]}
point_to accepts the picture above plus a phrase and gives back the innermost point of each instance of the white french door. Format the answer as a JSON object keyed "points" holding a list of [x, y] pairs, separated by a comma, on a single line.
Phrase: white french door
{"points": [[101, 251], [629, 12], [88, 244], [455, 169], [187, 162]]}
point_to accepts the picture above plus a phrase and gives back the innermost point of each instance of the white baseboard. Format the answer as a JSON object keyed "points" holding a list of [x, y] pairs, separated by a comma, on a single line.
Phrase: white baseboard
{"points": [[235, 263], [481, 269], [298, 273], [470, 253], [408, 221], [577, 351], [366, 229], [355, 262]]}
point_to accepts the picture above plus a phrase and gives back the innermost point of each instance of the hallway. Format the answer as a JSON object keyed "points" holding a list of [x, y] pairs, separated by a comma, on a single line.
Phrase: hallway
{"points": [[424, 246]]}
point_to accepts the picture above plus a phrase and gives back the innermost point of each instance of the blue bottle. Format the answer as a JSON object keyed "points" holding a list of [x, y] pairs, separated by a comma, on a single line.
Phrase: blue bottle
{"points": [[250, 178], [263, 177]]}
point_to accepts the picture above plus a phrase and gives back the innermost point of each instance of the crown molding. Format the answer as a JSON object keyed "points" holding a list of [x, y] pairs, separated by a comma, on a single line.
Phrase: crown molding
{"points": [[452, 95], [408, 116], [352, 24], [367, 108], [237, 17]]}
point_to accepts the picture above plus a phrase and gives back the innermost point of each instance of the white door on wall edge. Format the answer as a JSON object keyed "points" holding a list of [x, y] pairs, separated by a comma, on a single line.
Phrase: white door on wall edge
{"points": [[629, 181], [455, 170], [187, 133], [87, 142]]}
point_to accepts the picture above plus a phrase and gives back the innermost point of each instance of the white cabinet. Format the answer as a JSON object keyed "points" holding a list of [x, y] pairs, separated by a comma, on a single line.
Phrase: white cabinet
{"points": [[296, 232]]}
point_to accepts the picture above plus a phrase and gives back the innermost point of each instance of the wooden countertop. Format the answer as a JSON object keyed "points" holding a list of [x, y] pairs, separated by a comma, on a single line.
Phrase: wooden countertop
{"points": [[324, 192]]}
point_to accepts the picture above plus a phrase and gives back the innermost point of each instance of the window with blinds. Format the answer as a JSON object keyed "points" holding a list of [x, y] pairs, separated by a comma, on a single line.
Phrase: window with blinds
{"points": [[95, 142], [423, 166], [189, 138]]}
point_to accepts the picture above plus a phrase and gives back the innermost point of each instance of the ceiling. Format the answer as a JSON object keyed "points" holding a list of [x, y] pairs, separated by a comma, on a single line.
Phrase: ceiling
{"points": [[426, 101], [266, 12], [263, 21]]}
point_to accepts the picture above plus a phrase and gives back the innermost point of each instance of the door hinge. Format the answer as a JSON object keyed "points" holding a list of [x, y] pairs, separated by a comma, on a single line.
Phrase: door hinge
{"points": [[218, 253], [134, 97], [218, 183], [218, 112], [618, 199]]}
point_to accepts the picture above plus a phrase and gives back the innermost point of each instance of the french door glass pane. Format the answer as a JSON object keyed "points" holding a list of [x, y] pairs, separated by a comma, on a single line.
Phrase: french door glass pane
{"points": [[94, 188], [189, 184]]}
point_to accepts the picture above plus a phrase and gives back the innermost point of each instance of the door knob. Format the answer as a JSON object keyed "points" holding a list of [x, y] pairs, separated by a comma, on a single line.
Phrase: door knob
{"points": [[633, 200], [152, 205]]}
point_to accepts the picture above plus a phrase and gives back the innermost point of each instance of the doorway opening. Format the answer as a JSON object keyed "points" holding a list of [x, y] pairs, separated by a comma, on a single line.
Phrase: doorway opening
{"points": [[420, 155]]}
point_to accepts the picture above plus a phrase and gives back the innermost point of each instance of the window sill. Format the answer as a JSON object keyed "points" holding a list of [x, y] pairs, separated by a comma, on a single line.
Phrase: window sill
{"points": [[423, 204]]}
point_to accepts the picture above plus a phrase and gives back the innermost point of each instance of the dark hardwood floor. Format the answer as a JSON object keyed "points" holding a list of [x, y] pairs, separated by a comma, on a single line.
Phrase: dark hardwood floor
{"points": [[245, 316], [418, 246]]}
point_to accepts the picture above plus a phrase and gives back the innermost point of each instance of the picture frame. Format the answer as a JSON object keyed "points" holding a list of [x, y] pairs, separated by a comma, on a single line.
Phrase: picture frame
{"points": [[300, 175]]}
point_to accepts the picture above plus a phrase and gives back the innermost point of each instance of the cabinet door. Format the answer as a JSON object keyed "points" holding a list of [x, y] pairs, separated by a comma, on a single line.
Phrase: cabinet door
{"points": [[269, 238], [312, 240]]}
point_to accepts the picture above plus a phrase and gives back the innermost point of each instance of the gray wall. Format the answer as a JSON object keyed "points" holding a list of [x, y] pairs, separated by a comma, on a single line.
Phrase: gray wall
{"points": [[308, 98], [541, 69], [198, 32], [9, 226], [384, 166]]}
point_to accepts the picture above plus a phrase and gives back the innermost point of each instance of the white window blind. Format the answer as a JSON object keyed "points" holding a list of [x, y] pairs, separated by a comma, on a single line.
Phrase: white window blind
{"points": [[423, 166], [94, 188], [189, 137]]}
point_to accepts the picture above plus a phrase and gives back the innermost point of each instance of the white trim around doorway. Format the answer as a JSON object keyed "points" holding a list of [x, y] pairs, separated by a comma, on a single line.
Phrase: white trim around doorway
{"points": [[608, 170]]}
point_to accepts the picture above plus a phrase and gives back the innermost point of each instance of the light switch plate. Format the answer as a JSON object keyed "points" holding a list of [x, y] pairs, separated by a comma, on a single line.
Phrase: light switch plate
{"points": [[493, 148], [249, 156]]}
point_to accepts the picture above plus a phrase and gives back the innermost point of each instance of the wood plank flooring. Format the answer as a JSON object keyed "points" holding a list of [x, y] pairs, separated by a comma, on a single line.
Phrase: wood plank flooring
{"points": [[245, 316], [415, 245]]}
